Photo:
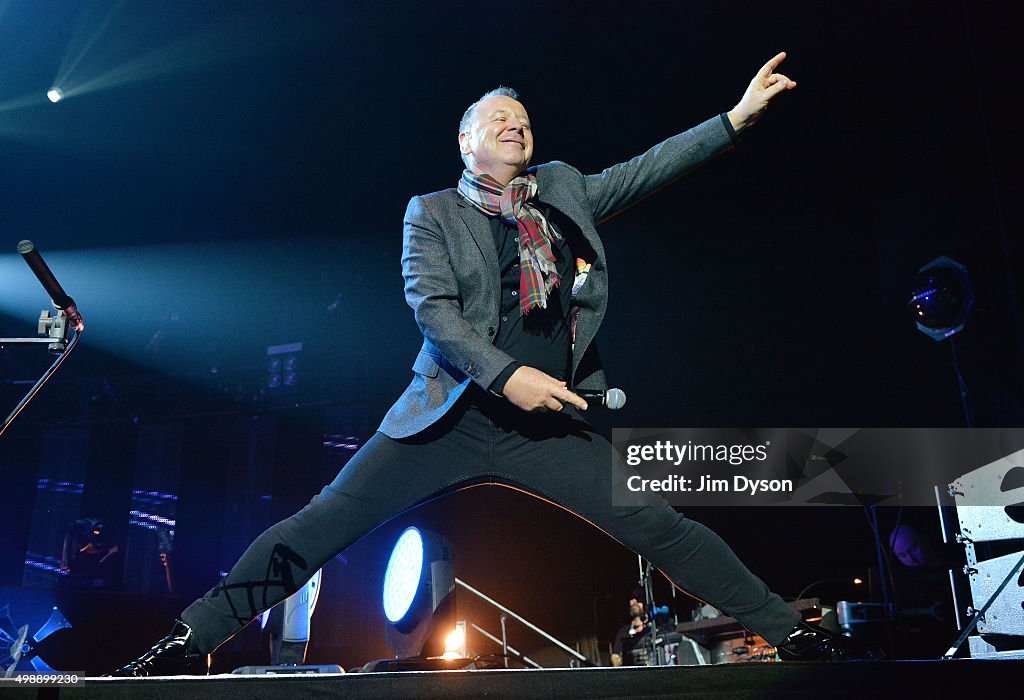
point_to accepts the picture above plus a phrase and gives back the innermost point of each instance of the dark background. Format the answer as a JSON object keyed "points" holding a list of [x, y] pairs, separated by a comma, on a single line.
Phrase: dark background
{"points": [[239, 182]]}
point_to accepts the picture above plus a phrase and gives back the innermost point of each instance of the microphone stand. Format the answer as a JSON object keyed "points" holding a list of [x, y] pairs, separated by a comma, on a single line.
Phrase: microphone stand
{"points": [[54, 330], [648, 588], [884, 573]]}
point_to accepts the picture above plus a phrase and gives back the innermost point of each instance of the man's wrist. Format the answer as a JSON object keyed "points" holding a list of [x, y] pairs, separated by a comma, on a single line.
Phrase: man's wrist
{"points": [[498, 385], [737, 122]]}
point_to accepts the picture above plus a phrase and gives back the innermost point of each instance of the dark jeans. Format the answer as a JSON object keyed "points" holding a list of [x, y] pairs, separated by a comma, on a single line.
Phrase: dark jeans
{"points": [[484, 439]]}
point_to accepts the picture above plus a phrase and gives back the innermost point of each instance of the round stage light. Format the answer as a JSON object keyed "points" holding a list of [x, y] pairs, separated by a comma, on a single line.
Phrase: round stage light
{"points": [[55, 94], [419, 594], [402, 576], [941, 299]]}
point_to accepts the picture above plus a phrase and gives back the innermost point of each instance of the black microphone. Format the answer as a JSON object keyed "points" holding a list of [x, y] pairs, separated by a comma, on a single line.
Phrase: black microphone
{"points": [[613, 399], [60, 298]]}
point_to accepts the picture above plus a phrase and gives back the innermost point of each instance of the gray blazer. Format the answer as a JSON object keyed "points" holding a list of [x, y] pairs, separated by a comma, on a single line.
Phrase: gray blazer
{"points": [[452, 283]]}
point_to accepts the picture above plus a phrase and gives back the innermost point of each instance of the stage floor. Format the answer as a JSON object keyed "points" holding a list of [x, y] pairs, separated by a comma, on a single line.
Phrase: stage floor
{"points": [[976, 677]]}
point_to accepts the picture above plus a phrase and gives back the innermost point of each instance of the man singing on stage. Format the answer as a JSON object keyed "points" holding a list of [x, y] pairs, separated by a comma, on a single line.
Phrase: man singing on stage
{"points": [[508, 281]]}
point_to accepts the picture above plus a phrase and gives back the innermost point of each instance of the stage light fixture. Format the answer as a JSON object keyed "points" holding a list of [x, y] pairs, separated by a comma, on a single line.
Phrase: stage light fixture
{"points": [[55, 94], [419, 594], [402, 576], [22, 651], [455, 642], [282, 368], [942, 298], [291, 371]]}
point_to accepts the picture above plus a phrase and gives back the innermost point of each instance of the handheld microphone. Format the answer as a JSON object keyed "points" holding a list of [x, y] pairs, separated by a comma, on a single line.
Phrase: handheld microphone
{"points": [[58, 296], [613, 399]]}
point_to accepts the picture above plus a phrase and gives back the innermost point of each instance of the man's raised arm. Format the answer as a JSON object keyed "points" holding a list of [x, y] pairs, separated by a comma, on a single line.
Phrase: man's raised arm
{"points": [[622, 185], [764, 88]]}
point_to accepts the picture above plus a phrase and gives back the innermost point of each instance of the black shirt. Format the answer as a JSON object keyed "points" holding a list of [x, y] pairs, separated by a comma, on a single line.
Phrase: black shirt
{"points": [[541, 338], [635, 649]]}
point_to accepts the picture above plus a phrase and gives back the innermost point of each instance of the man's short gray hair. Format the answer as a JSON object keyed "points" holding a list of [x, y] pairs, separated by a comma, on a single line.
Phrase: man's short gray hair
{"points": [[467, 116]]}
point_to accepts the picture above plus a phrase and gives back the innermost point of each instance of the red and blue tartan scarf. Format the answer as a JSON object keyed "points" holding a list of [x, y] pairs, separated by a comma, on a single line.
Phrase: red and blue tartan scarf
{"points": [[537, 272]]}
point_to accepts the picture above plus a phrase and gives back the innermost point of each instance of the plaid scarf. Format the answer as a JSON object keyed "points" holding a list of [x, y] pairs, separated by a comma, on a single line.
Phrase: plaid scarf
{"points": [[537, 273]]}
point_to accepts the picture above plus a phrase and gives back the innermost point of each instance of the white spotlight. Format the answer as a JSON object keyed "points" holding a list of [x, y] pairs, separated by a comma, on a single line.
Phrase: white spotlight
{"points": [[402, 576], [55, 94]]}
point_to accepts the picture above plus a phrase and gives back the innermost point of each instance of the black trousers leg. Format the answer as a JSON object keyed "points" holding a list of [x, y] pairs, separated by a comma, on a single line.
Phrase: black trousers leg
{"points": [[554, 456], [565, 461], [384, 478]]}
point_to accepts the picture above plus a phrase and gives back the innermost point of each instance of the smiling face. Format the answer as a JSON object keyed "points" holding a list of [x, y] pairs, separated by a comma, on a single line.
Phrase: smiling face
{"points": [[498, 140]]}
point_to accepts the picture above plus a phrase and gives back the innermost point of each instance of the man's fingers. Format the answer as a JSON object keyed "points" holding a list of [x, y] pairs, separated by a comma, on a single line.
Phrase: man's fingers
{"points": [[575, 400], [778, 87], [769, 68], [552, 404], [533, 390], [779, 77]]}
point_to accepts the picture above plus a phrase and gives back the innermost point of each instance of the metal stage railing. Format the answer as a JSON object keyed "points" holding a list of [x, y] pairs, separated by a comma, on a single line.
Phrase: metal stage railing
{"points": [[503, 640]]}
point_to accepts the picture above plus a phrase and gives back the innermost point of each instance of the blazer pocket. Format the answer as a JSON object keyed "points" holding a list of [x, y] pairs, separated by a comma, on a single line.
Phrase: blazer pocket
{"points": [[426, 364]]}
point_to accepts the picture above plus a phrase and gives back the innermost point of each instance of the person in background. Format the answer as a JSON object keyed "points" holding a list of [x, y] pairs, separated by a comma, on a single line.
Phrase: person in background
{"points": [[631, 646]]}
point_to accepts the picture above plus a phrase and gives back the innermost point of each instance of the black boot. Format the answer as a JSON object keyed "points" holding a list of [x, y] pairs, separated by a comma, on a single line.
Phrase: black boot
{"points": [[174, 655], [809, 642]]}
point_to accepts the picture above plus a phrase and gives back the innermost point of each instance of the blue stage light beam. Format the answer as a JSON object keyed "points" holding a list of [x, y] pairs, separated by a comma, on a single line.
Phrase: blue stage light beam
{"points": [[81, 42], [227, 40], [129, 289], [170, 307], [22, 102]]}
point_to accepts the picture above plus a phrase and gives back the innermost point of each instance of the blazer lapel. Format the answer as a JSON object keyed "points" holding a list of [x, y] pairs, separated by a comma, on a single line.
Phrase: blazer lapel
{"points": [[480, 231]]}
